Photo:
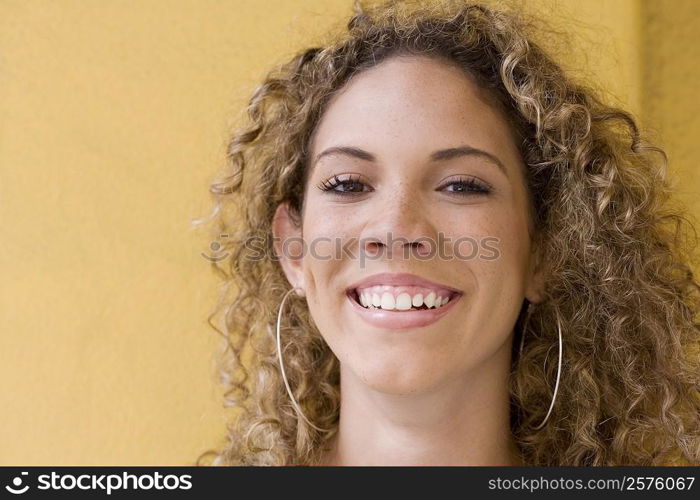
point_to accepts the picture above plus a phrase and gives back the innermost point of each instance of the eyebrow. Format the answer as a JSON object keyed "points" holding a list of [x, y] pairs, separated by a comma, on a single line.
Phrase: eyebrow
{"points": [[440, 155]]}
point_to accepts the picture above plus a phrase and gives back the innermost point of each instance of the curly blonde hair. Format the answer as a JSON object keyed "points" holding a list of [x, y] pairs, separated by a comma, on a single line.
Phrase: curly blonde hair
{"points": [[619, 252]]}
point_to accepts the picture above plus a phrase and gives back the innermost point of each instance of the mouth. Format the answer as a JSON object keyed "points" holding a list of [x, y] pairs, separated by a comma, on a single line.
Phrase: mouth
{"points": [[417, 302], [418, 316]]}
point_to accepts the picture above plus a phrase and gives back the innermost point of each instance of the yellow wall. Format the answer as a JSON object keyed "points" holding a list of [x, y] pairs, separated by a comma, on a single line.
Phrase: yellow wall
{"points": [[671, 87], [113, 118]]}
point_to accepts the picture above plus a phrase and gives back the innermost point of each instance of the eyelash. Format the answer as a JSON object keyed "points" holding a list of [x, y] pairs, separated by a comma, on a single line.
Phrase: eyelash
{"points": [[473, 186]]}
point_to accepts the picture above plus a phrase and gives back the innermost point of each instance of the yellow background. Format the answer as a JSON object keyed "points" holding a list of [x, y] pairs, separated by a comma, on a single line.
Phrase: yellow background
{"points": [[113, 118]]}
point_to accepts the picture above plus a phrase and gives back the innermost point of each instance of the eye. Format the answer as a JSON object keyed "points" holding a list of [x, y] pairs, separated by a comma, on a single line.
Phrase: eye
{"points": [[349, 186], [352, 185], [467, 186]]}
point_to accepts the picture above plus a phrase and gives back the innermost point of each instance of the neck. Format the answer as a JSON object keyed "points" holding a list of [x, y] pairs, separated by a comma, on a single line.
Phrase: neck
{"points": [[466, 421]]}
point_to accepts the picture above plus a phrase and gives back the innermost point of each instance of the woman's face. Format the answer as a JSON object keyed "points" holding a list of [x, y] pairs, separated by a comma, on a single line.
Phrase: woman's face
{"points": [[466, 214]]}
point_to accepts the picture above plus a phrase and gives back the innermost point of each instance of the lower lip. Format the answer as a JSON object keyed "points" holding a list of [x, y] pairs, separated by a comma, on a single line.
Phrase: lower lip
{"points": [[397, 320]]}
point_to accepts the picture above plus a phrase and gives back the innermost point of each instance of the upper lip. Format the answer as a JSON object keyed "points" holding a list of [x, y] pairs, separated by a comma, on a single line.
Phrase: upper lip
{"points": [[399, 279]]}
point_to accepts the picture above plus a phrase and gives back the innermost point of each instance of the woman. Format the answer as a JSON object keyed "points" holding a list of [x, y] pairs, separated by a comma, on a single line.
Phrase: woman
{"points": [[489, 271]]}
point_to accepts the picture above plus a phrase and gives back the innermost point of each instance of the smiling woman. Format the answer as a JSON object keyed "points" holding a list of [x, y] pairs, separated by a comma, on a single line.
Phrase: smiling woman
{"points": [[571, 342]]}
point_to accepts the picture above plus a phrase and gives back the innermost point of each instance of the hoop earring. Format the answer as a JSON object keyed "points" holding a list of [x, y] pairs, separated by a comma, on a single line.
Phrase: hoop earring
{"points": [[522, 341], [279, 357]]}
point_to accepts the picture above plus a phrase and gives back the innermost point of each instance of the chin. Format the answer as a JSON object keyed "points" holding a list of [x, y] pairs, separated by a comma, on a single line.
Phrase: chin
{"points": [[403, 378]]}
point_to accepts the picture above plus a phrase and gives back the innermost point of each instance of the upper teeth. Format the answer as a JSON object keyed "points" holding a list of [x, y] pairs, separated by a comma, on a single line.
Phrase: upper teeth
{"points": [[394, 298]]}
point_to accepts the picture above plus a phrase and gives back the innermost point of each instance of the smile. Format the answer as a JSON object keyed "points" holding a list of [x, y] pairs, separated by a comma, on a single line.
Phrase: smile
{"points": [[400, 309], [403, 298]]}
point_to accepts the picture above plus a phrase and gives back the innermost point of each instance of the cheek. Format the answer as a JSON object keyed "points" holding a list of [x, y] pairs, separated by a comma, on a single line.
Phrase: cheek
{"points": [[482, 235], [505, 246], [327, 241], [331, 233], [325, 219], [325, 233], [499, 278]]}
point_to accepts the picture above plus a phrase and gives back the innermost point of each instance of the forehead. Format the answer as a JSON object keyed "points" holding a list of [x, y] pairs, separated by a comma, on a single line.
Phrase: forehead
{"points": [[414, 104]]}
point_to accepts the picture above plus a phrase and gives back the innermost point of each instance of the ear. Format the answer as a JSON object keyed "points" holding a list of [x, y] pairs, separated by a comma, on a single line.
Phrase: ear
{"points": [[288, 245], [535, 289]]}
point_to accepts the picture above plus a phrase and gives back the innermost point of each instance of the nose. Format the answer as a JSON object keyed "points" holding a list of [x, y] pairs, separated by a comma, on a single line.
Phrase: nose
{"points": [[400, 227]]}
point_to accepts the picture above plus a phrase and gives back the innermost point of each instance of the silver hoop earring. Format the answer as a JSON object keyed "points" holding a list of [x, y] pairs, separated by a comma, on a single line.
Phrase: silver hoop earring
{"points": [[556, 385], [279, 357]]}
